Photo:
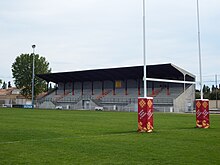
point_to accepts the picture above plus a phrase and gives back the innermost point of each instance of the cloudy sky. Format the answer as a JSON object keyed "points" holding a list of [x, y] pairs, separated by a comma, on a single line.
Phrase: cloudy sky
{"points": [[91, 34]]}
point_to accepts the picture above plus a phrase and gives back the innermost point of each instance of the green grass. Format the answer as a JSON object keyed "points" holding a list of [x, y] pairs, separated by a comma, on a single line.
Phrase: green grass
{"points": [[88, 137]]}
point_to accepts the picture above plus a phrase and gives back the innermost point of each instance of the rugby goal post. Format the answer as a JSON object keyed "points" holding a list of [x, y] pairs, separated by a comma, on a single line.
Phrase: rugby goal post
{"points": [[145, 107]]}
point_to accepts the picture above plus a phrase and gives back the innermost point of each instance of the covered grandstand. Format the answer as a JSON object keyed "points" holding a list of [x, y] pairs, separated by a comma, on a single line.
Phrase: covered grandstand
{"points": [[118, 88]]}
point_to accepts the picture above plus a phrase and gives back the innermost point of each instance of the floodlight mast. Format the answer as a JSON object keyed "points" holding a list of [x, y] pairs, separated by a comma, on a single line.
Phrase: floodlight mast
{"points": [[144, 53], [199, 46], [33, 68]]}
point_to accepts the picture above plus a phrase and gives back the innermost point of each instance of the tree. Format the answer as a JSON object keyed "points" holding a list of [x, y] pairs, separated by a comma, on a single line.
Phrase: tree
{"points": [[9, 84], [22, 70], [206, 89], [4, 86], [209, 94], [197, 94], [0, 81]]}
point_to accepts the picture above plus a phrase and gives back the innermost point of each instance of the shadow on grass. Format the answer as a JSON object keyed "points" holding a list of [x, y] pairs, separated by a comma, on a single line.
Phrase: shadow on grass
{"points": [[133, 132], [194, 128], [119, 132]]}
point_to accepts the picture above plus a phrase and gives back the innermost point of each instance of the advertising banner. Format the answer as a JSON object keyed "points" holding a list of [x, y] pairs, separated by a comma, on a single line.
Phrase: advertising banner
{"points": [[145, 114], [202, 113]]}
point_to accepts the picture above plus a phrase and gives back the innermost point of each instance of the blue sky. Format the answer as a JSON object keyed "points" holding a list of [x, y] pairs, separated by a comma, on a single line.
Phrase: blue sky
{"points": [[90, 34]]}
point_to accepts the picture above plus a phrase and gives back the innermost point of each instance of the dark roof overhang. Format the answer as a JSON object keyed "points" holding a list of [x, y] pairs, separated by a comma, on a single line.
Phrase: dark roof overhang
{"points": [[160, 71]]}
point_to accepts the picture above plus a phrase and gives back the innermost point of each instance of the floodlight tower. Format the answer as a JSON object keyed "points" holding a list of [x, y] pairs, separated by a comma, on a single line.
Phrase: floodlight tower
{"points": [[33, 68]]}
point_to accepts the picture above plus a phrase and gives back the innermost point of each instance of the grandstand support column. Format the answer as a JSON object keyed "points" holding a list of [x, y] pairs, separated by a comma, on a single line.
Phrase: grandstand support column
{"points": [[113, 86], [64, 88], [168, 89], [102, 87], [184, 84], [139, 87], [72, 88], [184, 90], [81, 88], [126, 87], [92, 88]]}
